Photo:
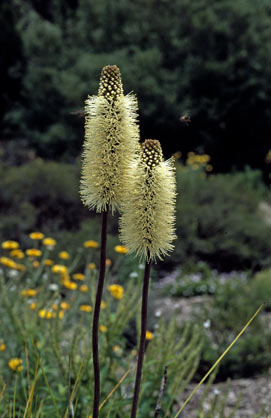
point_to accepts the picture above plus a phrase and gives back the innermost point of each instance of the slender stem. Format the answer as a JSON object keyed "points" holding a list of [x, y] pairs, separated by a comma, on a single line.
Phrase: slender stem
{"points": [[95, 327], [144, 313]]}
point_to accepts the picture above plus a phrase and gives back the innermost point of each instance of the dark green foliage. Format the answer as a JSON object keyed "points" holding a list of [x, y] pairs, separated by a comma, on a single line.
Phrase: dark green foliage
{"points": [[260, 289], [194, 279], [211, 60], [219, 220], [233, 305], [40, 195]]}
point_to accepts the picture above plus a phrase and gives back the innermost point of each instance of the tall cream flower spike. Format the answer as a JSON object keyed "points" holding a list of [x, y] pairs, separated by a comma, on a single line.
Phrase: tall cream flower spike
{"points": [[111, 141], [148, 210]]}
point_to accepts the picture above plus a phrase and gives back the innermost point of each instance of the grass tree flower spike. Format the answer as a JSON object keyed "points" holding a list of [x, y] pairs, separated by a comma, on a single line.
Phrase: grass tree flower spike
{"points": [[111, 141], [147, 225], [148, 218], [110, 147]]}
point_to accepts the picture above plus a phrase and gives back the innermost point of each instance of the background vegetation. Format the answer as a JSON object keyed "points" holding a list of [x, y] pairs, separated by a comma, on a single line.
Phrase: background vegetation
{"points": [[210, 60]]}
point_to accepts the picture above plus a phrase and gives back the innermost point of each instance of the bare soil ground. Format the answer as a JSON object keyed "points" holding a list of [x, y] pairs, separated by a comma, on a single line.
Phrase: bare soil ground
{"points": [[255, 398]]}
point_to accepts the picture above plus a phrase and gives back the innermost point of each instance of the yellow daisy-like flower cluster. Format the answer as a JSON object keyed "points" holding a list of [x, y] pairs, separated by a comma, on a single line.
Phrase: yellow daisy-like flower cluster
{"points": [[196, 161], [10, 245], [91, 244], [29, 292], [111, 142], [149, 335], [44, 314], [268, 157], [36, 235], [17, 253], [116, 291], [15, 364], [85, 308], [92, 266], [8, 262], [49, 242], [121, 249], [148, 210], [33, 252], [64, 255]]}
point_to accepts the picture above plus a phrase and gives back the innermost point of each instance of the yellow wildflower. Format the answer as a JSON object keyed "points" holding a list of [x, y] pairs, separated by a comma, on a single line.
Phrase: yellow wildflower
{"points": [[65, 305], [48, 315], [121, 249], [42, 313], [116, 291], [48, 262], [36, 235], [83, 288], [10, 245], [92, 266], [103, 304], [70, 285], [209, 168], [86, 308], [65, 277], [78, 276], [33, 252], [102, 328], [59, 268], [61, 314], [33, 306], [29, 292], [134, 353], [49, 242], [17, 253], [148, 209], [91, 244], [117, 349], [16, 364], [111, 141], [108, 262], [64, 255], [177, 155], [35, 264], [268, 157], [7, 262], [149, 335], [3, 347]]}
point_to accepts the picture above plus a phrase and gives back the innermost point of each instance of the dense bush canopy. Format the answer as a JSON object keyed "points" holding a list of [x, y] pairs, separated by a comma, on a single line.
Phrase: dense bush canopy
{"points": [[211, 60]]}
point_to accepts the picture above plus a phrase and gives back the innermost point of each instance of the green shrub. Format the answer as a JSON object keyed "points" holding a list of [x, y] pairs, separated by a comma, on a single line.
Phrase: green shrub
{"points": [[219, 220], [260, 289], [41, 195], [233, 304]]}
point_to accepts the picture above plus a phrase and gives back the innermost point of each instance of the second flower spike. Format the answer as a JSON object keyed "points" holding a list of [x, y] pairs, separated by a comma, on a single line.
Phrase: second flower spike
{"points": [[147, 224], [111, 142]]}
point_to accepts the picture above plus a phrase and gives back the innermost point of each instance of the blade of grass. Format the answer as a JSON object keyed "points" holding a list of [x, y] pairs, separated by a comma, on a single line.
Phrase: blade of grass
{"points": [[14, 397], [112, 391], [31, 394], [40, 409], [115, 388], [3, 391], [74, 388], [46, 381], [219, 359], [27, 367]]}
